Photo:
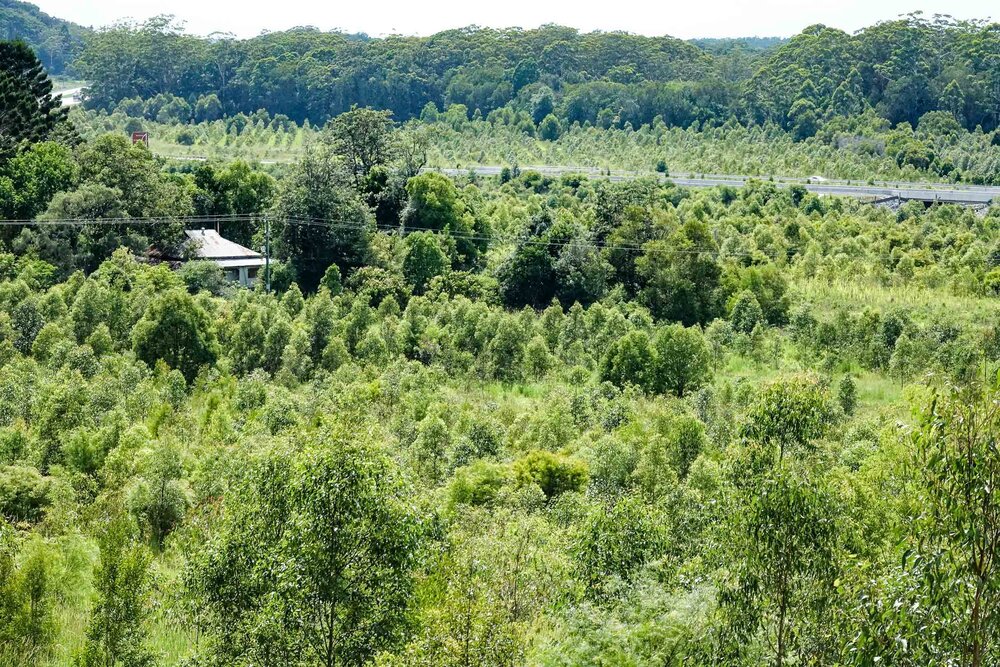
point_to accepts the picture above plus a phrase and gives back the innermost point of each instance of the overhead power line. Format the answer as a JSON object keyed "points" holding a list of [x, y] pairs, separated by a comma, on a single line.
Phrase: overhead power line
{"points": [[345, 224], [157, 220], [408, 229]]}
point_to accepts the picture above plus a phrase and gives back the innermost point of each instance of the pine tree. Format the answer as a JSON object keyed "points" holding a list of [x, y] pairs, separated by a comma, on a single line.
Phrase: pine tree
{"points": [[28, 111]]}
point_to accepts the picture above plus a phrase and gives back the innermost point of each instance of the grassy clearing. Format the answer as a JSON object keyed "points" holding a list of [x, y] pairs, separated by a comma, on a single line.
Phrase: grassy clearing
{"points": [[829, 296]]}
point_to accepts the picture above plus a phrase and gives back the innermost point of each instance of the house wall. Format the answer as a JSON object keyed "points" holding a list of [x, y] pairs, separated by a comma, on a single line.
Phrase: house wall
{"points": [[246, 276]]}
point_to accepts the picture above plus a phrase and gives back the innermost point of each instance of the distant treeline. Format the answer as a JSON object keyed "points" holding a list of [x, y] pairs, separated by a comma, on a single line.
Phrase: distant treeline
{"points": [[900, 69]]}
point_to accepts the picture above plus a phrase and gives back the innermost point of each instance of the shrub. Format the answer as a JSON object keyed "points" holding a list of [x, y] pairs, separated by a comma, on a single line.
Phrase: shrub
{"points": [[478, 483], [847, 395], [202, 276], [24, 493], [553, 473]]}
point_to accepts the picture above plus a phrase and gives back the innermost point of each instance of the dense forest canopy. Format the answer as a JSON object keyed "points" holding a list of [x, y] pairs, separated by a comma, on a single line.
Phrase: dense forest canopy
{"points": [[902, 69], [305, 73], [518, 420]]}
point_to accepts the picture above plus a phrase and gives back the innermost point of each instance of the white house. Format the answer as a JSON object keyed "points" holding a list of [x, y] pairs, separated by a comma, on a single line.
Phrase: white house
{"points": [[239, 264]]}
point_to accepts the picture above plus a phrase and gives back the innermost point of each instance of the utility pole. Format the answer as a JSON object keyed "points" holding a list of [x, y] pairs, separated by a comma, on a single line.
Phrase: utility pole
{"points": [[267, 254]]}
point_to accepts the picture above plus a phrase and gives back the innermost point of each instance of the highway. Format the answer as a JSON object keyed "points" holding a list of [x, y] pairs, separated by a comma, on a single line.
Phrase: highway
{"points": [[928, 192], [969, 195], [947, 193]]}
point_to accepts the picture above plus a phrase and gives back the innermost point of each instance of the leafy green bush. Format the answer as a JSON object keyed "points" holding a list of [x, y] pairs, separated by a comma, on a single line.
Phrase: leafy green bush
{"points": [[553, 473]]}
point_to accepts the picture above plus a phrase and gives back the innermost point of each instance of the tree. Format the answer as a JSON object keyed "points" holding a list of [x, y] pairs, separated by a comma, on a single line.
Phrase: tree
{"points": [[292, 301], [116, 633], [847, 395], [423, 260], [616, 541], [804, 119], [313, 560], [745, 313], [208, 108], [848, 99], [629, 360], [549, 129], [177, 330], [158, 500], [27, 321], [430, 447], [784, 539], [500, 572], [238, 190], [374, 285], [906, 99], [526, 277], [116, 180], [413, 146], [130, 169], [435, 205], [953, 101], [959, 466], [26, 596], [582, 273], [246, 339], [203, 276], [525, 74], [331, 280], [366, 138], [542, 104], [296, 357], [788, 413], [537, 357], [325, 221], [504, 354], [35, 175], [687, 441], [769, 288], [28, 111], [680, 276], [906, 358], [682, 360]]}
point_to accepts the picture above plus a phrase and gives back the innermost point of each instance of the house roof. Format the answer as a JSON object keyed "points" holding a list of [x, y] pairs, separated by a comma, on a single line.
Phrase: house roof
{"points": [[207, 244]]}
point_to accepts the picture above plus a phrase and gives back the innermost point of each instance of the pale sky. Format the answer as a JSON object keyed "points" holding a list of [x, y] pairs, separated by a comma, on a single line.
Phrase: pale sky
{"points": [[686, 19]]}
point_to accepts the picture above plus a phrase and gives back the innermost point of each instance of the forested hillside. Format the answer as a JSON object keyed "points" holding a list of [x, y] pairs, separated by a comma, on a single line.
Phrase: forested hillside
{"points": [[911, 99], [56, 42], [901, 69], [518, 420]]}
